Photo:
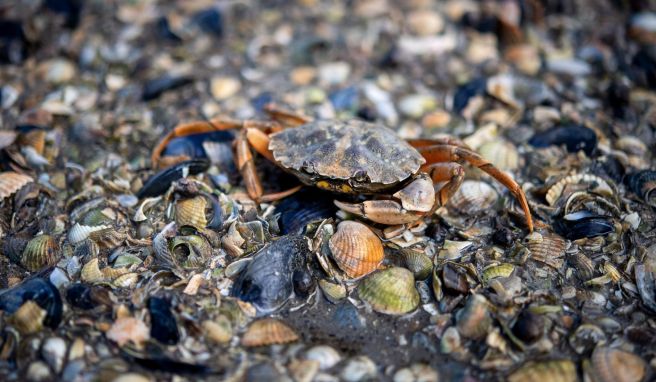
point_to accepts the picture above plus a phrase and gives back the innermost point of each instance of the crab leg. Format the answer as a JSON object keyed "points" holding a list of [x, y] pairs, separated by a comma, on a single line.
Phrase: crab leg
{"points": [[252, 137], [285, 117], [450, 153], [199, 127], [450, 172]]}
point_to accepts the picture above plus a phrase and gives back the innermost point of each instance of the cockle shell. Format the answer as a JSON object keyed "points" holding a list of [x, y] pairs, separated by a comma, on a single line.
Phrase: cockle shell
{"points": [[472, 197], [80, 232], [595, 184], [10, 182], [91, 272], [356, 249], [41, 251], [547, 247], [560, 370], [417, 262], [191, 212], [616, 365], [268, 331], [390, 291]]}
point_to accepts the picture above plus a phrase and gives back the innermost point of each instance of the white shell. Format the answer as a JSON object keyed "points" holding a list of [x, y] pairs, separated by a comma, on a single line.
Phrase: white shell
{"points": [[79, 233]]}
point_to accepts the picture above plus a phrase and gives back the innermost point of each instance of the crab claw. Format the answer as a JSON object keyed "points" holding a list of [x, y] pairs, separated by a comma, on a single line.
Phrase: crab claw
{"points": [[386, 212]]}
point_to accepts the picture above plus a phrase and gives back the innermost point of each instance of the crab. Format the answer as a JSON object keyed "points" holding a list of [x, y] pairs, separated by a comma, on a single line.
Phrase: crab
{"points": [[407, 179]]}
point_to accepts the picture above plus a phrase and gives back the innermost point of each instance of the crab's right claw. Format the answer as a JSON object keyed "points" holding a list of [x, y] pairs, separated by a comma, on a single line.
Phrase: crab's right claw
{"points": [[386, 212]]}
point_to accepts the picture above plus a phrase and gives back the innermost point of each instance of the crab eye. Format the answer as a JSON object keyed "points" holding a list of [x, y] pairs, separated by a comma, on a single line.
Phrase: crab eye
{"points": [[360, 176]]}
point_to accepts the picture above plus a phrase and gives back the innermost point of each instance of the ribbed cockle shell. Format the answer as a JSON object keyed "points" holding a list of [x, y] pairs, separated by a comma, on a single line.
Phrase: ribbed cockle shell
{"points": [[41, 251], [10, 182], [356, 250], [191, 212], [390, 291], [268, 331]]}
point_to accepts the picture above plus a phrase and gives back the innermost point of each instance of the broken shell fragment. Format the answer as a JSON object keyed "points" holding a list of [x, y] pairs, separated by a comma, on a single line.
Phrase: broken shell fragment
{"points": [[28, 319], [356, 250], [390, 291], [268, 331]]}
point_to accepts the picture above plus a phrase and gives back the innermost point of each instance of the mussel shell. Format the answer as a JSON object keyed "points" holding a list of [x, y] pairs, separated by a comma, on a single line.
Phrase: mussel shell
{"points": [[582, 224], [192, 146], [390, 291], [11, 182], [267, 282], [40, 291], [163, 326], [268, 331], [643, 183], [161, 181], [307, 206], [356, 249], [574, 137], [615, 365], [40, 252], [557, 370], [529, 326]]}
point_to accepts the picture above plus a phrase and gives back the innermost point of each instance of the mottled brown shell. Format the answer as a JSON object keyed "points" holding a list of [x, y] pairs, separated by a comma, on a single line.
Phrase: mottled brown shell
{"points": [[268, 331], [616, 365], [346, 156]]}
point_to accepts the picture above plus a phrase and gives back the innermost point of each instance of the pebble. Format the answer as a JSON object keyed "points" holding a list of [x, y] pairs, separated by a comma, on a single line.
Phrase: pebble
{"points": [[416, 105], [223, 88], [418, 372], [303, 75], [334, 73], [569, 66], [383, 102], [325, 355], [57, 70], [425, 23], [54, 351], [315, 95], [437, 119], [359, 368], [132, 377], [38, 371], [8, 95], [525, 57]]}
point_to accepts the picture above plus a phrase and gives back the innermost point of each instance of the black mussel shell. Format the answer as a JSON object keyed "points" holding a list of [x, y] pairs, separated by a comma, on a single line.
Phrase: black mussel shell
{"points": [[79, 296], [192, 145], [210, 21], [267, 281], [154, 358], [13, 43], [453, 280], [304, 207], [580, 224], [528, 326], [574, 137], [643, 184], [163, 326], [163, 29], [155, 87], [467, 91], [160, 182], [39, 290]]}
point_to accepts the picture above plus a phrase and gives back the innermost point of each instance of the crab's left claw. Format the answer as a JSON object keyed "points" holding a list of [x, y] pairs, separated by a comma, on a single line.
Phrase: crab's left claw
{"points": [[386, 212]]}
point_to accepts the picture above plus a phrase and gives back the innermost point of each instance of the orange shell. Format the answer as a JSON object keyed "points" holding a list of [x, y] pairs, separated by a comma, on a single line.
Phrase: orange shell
{"points": [[356, 249], [268, 331], [10, 182]]}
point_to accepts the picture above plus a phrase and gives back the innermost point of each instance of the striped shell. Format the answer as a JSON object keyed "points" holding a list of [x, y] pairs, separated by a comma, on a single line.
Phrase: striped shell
{"points": [[79, 232], [501, 153], [108, 238], [268, 331], [356, 249], [28, 319], [547, 247], [595, 184], [390, 291], [548, 371], [127, 280], [11, 182], [616, 365], [472, 197], [41, 251], [418, 263], [191, 212], [334, 292]]}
